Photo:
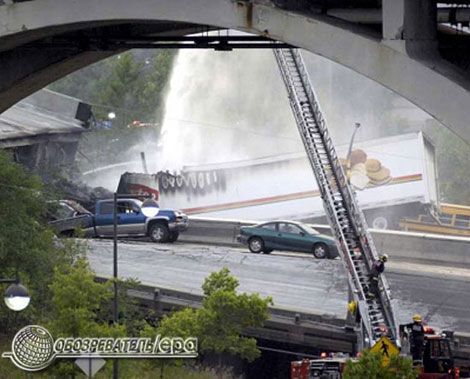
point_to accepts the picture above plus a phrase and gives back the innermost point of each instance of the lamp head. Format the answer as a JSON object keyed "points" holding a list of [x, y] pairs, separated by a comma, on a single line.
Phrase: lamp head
{"points": [[17, 297]]}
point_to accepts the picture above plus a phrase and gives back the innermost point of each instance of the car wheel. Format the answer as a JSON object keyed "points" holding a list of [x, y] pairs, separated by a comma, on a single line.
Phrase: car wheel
{"points": [[159, 232], [320, 250], [267, 251], [256, 245], [173, 236]]}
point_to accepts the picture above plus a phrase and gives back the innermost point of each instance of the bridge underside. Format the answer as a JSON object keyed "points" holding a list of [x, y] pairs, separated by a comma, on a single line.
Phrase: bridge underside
{"points": [[399, 45]]}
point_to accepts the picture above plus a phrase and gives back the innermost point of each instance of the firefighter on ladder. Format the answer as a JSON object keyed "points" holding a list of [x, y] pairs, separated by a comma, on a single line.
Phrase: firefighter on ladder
{"points": [[377, 268]]}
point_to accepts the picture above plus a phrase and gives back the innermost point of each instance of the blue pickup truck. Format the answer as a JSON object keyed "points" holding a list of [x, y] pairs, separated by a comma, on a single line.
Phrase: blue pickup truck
{"points": [[131, 222]]}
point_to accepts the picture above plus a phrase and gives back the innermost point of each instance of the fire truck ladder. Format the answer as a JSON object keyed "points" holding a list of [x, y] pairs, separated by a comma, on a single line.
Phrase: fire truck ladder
{"points": [[347, 221]]}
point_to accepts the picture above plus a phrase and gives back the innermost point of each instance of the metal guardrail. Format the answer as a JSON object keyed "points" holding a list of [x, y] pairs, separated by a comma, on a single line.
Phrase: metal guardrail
{"points": [[304, 328], [397, 244]]}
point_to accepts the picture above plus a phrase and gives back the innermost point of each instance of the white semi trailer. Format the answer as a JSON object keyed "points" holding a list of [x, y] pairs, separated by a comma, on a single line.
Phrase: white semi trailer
{"points": [[393, 178]]}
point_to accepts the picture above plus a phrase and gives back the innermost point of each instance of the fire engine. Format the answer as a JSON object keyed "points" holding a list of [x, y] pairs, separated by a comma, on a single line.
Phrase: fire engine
{"points": [[437, 362]]}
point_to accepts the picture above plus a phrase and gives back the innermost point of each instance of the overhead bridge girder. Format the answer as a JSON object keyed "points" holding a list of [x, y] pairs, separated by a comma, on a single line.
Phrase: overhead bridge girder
{"points": [[26, 71], [215, 42], [414, 70]]}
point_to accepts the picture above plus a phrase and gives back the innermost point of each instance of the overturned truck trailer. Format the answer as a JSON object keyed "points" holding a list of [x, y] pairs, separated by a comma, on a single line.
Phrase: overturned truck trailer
{"points": [[393, 178]]}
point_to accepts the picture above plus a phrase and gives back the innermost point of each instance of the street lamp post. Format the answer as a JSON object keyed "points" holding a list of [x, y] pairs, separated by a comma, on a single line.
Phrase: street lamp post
{"points": [[16, 296], [115, 259], [115, 276], [149, 208], [357, 125]]}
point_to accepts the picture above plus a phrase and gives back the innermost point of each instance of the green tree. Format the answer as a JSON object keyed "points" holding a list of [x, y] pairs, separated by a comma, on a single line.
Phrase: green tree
{"points": [[76, 299], [26, 244], [132, 86], [183, 323], [22, 206], [224, 315], [219, 281], [131, 313], [220, 322], [370, 366], [453, 164]]}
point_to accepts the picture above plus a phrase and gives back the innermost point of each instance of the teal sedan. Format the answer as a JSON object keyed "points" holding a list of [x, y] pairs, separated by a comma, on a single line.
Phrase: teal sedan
{"points": [[287, 235]]}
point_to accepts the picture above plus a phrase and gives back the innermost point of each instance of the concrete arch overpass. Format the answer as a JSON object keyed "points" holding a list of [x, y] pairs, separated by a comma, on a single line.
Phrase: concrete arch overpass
{"points": [[397, 43]]}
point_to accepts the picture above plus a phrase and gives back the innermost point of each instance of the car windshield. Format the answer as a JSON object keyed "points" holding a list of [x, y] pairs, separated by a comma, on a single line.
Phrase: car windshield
{"points": [[62, 211], [309, 229], [138, 202]]}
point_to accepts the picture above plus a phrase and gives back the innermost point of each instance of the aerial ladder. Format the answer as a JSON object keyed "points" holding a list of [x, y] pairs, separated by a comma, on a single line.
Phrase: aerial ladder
{"points": [[357, 249]]}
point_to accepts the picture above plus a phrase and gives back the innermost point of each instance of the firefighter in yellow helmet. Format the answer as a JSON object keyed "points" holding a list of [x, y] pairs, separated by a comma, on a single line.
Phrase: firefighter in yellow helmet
{"points": [[353, 309], [416, 338]]}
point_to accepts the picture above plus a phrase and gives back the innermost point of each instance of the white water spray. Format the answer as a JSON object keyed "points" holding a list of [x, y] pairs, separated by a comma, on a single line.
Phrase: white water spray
{"points": [[223, 107]]}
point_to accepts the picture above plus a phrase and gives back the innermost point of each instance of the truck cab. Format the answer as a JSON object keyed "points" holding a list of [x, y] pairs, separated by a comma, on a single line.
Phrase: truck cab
{"points": [[438, 362], [130, 219]]}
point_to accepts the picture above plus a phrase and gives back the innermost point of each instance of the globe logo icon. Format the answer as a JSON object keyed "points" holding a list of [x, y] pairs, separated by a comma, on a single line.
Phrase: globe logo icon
{"points": [[33, 347]]}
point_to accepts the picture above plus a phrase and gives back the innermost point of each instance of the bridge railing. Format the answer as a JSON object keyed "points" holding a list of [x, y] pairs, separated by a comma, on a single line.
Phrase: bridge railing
{"points": [[304, 328]]}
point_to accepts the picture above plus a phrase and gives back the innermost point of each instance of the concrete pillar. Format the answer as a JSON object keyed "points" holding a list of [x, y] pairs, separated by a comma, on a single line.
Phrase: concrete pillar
{"points": [[393, 19], [420, 20], [421, 29], [393, 24], [410, 27]]}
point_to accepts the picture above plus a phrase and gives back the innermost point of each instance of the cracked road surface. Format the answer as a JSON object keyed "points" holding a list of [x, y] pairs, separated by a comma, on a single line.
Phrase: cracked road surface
{"points": [[295, 281]]}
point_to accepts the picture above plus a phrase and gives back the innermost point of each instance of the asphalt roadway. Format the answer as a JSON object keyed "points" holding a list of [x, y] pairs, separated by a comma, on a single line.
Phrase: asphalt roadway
{"points": [[294, 281]]}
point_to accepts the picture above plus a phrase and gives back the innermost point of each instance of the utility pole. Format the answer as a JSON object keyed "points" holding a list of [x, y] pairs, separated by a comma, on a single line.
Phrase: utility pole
{"points": [[115, 277]]}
